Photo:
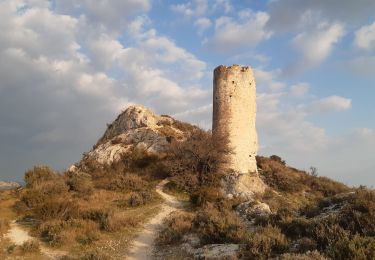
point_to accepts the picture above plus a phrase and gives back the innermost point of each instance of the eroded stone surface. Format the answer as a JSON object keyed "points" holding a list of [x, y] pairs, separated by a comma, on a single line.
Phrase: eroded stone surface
{"points": [[136, 128], [234, 116], [253, 209], [9, 185], [217, 252]]}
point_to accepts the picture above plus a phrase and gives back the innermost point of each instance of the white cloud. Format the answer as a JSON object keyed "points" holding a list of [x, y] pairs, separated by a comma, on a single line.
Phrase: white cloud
{"points": [[245, 31], [283, 127], [289, 15], [268, 79], [63, 77], [315, 45], [365, 37], [195, 8], [112, 16], [225, 5], [330, 104], [299, 90], [202, 24], [104, 51]]}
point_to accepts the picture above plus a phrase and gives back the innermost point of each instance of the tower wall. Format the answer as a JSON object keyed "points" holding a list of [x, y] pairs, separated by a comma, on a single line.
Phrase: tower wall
{"points": [[234, 113]]}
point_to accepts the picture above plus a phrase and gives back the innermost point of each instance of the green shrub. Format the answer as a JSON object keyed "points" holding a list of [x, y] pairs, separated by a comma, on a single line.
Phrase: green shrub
{"points": [[286, 179], [41, 192], [312, 255], [306, 244], [175, 228], [297, 227], [277, 159], [81, 183], [216, 225], [139, 198], [57, 208], [127, 183], [356, 248], [51, 231], [107, 219], [39, 174], [30, 246], [206, 194], [4, 226], [199, 158], [265, 242], [95, 255], [327, 232], [87, 236], [358, 215]]}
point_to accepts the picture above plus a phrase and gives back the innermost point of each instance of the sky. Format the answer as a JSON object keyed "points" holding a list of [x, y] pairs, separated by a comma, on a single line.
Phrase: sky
{"points": [[69, 67]]}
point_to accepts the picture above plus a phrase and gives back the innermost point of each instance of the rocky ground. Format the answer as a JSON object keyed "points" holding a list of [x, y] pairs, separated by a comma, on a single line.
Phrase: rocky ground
{"points": [[111, 190], [9, 185]]}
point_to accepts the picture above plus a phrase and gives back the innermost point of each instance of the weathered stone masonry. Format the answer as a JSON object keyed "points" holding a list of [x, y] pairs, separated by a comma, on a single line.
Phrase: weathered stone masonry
{"points": [[234, 115]]}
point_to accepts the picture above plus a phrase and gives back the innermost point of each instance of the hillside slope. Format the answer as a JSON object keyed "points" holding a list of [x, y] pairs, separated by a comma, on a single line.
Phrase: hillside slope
{"points": [[97, 207]]}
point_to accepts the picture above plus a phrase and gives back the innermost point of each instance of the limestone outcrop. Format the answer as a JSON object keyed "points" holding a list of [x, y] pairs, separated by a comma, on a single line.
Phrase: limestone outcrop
{"points": [[135, 128], [9, 185]]}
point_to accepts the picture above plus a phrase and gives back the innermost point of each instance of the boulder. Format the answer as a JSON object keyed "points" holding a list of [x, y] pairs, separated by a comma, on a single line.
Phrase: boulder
{"points": [[218, 252], [253, 209], [137, 128], [9, 185]]}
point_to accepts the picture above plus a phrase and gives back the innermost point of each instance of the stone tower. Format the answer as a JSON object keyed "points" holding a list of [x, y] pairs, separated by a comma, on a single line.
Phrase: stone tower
{"points": [[234, 114]]}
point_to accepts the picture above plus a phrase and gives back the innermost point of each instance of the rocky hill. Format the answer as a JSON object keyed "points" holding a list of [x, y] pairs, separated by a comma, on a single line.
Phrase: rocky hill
{"points": [[137, 128], [93, 210], [9, 185]]}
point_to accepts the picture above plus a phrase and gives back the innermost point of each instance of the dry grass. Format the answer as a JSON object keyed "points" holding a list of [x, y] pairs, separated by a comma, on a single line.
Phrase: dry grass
{"points": [[81, 212], [172, 189], [175, 228]]}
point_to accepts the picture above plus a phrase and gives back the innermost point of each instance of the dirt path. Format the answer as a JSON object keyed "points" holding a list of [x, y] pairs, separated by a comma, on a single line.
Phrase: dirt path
{"points": [[142, 246], [17, 235]]}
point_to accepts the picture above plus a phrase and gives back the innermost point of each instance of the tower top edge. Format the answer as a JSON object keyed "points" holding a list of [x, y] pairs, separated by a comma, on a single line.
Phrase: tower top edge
{"points": [[234, 67]]}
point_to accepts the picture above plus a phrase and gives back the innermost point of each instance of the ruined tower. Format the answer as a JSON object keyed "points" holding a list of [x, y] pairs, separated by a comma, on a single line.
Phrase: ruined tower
{"points": [[234, 115]]}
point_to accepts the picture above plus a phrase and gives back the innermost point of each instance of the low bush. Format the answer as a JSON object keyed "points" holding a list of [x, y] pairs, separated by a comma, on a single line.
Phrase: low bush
{"points": [[95, 254], [4, 226], [30, 246], [175, 228], [139, 198], [43, 191], [286, 179], [358, 215], [266, 242], [108, 219], [205, 195], [356, 247], [127, 183], [218, 225], [196, 161], [88, 236], [80, 183], [57, 208], [51, 232], [312, 255], [306, 244], [58, 232], [39, 174]]}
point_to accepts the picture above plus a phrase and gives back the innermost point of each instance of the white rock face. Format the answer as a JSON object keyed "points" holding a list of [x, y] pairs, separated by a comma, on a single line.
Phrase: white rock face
{"points": [[132, 118], [252, 209], [136, 128], [217, 252], [9, 185]]}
